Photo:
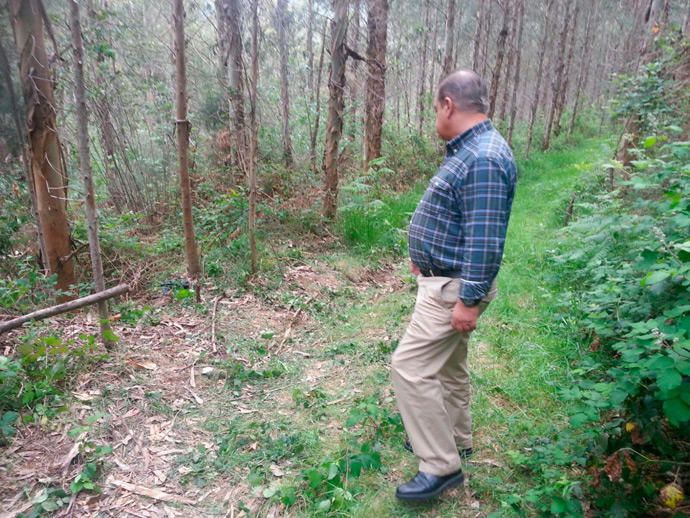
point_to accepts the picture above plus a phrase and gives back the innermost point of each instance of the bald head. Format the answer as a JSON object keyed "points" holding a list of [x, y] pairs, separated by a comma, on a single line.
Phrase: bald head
{"points": [[467, 91]]}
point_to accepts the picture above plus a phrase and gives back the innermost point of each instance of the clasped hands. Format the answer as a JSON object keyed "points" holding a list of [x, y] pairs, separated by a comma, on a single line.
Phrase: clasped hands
{"points": [[463, 318]]}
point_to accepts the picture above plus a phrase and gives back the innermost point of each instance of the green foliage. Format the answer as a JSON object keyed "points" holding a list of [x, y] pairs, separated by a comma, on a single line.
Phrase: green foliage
{"points": [[624, 267], [370, 220], [33, 384]]}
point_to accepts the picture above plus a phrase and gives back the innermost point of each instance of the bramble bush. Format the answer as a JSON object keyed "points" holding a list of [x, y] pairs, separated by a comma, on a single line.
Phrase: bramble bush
{"points": [[624, 267]]}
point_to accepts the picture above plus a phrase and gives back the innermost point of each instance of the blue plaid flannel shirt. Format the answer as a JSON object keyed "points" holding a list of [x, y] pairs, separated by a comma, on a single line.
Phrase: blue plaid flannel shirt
{"points": [[461, 222]]}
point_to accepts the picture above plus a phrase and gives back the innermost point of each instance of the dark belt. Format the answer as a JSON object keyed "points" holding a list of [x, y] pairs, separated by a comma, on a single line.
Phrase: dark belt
{"points": [[433, 272]]}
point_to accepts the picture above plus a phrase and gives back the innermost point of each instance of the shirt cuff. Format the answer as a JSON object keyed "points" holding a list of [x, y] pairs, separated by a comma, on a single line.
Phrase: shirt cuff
{"points": [[471, 290]]}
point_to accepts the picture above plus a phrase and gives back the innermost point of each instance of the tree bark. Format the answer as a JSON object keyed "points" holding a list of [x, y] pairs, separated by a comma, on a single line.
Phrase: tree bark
{"points": [[377, 25], [336, 107], [557, 84], [317, 108], [512, 50], [585, 65], [500, 53], [540, 74], [87, 174], [63, 308], [450, 33], [563, 94], [478, 33], [422, 83], [47, 165], [518, 72], [253, 138], [230, 43], [281, 21], [20, 127], [182, 127]]}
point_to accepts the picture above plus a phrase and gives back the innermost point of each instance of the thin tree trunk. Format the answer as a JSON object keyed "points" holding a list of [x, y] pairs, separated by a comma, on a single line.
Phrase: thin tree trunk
{"points": [[353, 81], [85, 166], [518, 72], [432, 61], [47, 166], [512, 49], [563, 94], [254, 137], [317, 109], [478, 33], [336, 107], [20, 127], [560, 67], [486, 38], [540, 74], [422, 82], [310, 51], [450, 33], [500, 53], [281, 26], [585, 65], [182, 127], [377, 21]]}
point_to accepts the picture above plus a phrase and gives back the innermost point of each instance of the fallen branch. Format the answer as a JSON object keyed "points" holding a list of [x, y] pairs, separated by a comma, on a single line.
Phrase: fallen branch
{"points": [[156, 494], [213, 321], [63, 308]]}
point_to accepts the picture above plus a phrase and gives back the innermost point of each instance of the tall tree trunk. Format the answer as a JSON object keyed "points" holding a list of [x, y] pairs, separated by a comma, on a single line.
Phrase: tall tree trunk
{"points": [[585, 65], [182, 127], [563, 94], [518, 72], [512, 50], [310, 50], [450, 33], [377, 22], [317, 108], [353, 80], [230, 43], [281, 19], [47, 165], [558, 81], [540, 74], [478, 33], [422, 83], [20, 128], [253, 137], [500, 53], [336, 107], [486, 37], [85, 166]]}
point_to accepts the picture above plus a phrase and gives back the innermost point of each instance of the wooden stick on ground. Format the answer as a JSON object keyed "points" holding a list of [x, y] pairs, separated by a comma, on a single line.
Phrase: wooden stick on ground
{"points": [[63, 308], [213, 321]]}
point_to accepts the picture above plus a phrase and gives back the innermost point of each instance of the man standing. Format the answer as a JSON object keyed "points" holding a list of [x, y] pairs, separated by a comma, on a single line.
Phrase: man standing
{"points": [[456, 240]]}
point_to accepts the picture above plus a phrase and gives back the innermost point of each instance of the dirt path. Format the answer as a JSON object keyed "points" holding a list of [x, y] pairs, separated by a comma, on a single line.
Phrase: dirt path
{"points": [[169, 407]]}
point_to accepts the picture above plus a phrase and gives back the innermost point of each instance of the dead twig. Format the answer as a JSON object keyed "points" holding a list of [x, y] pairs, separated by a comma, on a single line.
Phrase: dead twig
{"points": [[213, 322]]}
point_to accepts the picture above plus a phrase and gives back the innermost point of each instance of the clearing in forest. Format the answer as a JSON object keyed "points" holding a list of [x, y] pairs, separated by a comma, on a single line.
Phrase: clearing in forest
{"points": [[275, 399]]}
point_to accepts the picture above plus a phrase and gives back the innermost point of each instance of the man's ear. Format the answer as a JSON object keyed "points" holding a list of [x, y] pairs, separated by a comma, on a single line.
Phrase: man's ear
{"points": [[448, 105]]}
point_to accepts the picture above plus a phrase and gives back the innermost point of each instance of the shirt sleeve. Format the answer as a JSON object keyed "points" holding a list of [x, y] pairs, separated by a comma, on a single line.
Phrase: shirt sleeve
{"points": [[484, 198]]}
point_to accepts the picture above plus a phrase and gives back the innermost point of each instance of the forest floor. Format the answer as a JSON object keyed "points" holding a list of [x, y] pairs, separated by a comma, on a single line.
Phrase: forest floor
{"points": [[299, 380]]}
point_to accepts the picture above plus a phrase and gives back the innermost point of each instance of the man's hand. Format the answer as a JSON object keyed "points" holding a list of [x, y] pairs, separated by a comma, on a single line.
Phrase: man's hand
{"points": [[464, 319], [414, 269]]}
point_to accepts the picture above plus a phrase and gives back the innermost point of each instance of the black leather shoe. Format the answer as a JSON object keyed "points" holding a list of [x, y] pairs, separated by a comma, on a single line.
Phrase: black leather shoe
{"points": [[425, 485], [463, 452]]}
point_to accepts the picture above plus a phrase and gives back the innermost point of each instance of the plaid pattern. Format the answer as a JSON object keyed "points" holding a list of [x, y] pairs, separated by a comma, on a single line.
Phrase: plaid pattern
{"points": [[461, 222]]}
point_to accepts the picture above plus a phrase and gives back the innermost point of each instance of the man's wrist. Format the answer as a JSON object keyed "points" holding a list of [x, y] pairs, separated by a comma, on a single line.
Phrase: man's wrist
{"points": [[470, 303]]}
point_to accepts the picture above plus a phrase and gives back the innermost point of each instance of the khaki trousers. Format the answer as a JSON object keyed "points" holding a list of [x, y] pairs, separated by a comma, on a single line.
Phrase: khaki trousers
{"points": [[431, 378]]}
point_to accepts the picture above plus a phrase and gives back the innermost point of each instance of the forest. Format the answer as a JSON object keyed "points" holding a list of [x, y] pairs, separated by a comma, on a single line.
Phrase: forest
{"points": [[204, 265]]}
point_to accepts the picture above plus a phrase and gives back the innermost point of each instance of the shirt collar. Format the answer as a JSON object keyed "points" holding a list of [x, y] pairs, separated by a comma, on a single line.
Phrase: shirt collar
{"points": [[453, 146]]}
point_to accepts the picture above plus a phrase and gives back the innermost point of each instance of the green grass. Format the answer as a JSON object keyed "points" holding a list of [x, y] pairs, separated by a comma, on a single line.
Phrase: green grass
{"points": [[520, 355]]}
